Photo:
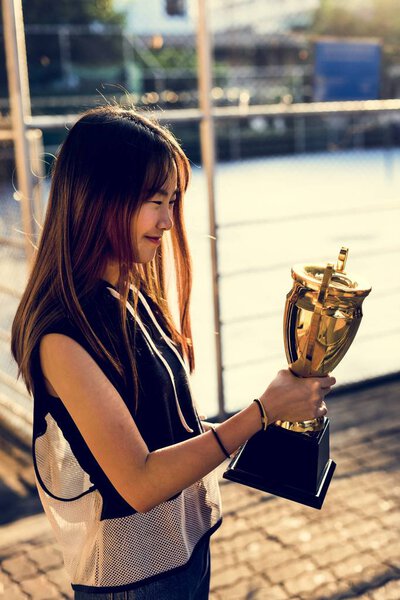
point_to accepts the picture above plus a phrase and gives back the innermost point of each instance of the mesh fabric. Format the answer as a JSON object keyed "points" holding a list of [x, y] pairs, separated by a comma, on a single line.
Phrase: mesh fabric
{"points": [[119, 551]]}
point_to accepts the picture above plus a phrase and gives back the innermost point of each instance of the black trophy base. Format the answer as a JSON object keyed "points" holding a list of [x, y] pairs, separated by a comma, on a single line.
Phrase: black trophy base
{"points": [[293, 465]]}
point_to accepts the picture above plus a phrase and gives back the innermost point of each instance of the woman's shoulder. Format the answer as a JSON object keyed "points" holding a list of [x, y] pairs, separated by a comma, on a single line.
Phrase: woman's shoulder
{"points": [[97, 307], [60, 322]]}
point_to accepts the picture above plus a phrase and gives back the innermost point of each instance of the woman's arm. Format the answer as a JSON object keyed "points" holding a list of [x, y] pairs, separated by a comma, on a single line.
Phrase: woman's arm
{"points": [[143, 478], [207, 425]]}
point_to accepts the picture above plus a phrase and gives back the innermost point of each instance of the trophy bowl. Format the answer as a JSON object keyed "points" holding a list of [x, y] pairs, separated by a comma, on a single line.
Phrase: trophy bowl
{"points": [[321, 318]]}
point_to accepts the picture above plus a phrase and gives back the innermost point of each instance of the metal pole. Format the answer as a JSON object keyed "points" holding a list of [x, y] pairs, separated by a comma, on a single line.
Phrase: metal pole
{"points": [[35, 138], [18, 85], [64, 43], [207, 141]]}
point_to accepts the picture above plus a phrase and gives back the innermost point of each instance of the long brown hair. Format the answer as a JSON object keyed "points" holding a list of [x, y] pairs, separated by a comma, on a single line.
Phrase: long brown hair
{"points": [[111, 161]]}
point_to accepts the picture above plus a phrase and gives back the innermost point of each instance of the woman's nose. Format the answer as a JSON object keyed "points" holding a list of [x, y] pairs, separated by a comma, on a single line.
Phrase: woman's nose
{"points": [[166, 221]]}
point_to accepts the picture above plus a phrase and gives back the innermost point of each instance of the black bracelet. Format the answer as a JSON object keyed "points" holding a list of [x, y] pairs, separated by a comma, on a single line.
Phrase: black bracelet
{"points": [[258, 402], [220, 444], [264, 418]]}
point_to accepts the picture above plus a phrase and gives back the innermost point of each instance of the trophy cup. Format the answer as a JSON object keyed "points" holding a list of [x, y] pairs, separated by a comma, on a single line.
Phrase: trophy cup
{"points": [[322, 316]]}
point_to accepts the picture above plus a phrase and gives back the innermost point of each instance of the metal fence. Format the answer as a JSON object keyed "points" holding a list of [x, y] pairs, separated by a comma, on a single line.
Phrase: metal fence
{"points": [[295, 207], [294, 180]]}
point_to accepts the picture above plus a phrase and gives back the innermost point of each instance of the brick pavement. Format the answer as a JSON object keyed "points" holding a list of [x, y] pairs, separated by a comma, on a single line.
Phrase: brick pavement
{"points": [[269, 548]]}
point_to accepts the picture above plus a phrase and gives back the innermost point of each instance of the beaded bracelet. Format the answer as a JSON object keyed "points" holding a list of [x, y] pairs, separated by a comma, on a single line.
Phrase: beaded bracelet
{"points": [[220, 444], [264, 418]]}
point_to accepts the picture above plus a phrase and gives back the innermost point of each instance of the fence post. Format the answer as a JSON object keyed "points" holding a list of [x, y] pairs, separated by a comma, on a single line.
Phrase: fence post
{"points": [[207, 141], [35, 137], [18, 84]]}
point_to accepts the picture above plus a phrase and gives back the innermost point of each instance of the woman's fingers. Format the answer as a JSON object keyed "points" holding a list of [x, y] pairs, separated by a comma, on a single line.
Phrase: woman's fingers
{"points": [[322, 409], [319, 391], [290, 398], [327, 382]]}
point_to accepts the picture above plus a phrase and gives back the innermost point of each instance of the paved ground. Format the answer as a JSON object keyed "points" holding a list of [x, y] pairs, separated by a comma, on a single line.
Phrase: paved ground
{"points": [[267, 548]]}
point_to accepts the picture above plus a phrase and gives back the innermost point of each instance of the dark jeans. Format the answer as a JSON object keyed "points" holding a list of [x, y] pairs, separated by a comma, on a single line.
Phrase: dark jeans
{"points": [[192, 583]]}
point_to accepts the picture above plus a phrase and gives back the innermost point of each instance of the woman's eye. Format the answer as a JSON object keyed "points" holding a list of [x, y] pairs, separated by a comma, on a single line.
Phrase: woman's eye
{"points": [[159, 202]]}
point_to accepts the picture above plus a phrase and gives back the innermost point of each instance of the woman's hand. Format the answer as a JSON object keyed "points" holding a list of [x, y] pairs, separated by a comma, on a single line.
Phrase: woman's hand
{"points": [[291, 398]]}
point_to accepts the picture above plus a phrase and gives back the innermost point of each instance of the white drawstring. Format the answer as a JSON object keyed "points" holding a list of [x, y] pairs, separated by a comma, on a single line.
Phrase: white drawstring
{"points": [[156, 351], [168, 340], [170, 343]]}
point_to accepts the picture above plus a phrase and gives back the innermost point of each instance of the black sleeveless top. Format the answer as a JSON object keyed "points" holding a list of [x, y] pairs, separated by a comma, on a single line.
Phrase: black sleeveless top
{"points": [[107, 545], [157, 418]]}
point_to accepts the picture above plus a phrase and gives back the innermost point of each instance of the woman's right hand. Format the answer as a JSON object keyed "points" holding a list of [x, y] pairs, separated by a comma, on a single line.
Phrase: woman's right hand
{"points": [[291, 398]]}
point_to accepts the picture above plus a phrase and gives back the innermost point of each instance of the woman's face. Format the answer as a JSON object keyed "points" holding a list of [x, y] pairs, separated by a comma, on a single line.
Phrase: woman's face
{"points": [[154, 218]]}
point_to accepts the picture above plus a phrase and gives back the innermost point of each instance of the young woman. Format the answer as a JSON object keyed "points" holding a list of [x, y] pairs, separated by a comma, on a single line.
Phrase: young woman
{"points": [[124, 466]]}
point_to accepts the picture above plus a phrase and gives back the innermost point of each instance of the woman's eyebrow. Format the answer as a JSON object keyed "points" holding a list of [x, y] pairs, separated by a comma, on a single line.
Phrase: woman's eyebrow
{"points": [[166, 193]]}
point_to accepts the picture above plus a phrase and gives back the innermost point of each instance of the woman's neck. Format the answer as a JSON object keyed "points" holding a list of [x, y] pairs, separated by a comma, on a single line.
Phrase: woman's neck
{"points": [[111, 273]]}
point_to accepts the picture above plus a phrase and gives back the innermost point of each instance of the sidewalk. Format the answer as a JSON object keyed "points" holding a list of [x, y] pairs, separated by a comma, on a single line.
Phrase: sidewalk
{"points": [[267, 548]]}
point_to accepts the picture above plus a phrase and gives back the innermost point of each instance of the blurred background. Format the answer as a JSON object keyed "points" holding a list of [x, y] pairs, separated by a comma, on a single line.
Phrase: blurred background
{"points": [[289, 113]]}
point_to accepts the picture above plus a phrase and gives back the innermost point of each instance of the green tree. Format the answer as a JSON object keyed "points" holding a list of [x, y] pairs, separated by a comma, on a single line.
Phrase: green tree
{"points": [[366, 18], [70, 12], [73, 62]]}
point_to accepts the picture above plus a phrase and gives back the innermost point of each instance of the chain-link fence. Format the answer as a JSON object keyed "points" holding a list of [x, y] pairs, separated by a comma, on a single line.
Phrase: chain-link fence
{"points": [[295, 178]]}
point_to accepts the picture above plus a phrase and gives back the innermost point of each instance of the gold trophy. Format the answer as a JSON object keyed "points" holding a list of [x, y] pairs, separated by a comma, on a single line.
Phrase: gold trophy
{"points": [[322, 316]]}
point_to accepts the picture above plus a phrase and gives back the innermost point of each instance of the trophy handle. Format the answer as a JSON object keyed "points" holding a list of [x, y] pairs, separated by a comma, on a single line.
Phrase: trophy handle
{"points": [[316, 318], [306, 370]]}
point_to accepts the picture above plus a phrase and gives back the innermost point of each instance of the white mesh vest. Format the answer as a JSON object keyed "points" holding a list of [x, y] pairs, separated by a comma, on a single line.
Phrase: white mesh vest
{"points": [[119, 552]]}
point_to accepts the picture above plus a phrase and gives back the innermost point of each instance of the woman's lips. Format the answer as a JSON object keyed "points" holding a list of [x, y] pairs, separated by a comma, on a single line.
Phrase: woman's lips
{"points": [[154, 240]]}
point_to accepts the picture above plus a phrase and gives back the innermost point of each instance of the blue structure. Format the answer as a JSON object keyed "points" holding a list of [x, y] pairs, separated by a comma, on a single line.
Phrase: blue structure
{"points": [[346, 70]]}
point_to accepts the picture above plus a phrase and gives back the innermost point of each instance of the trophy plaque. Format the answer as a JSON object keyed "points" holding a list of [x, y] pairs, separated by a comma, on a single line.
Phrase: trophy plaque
{"points": [[321, 318]]}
